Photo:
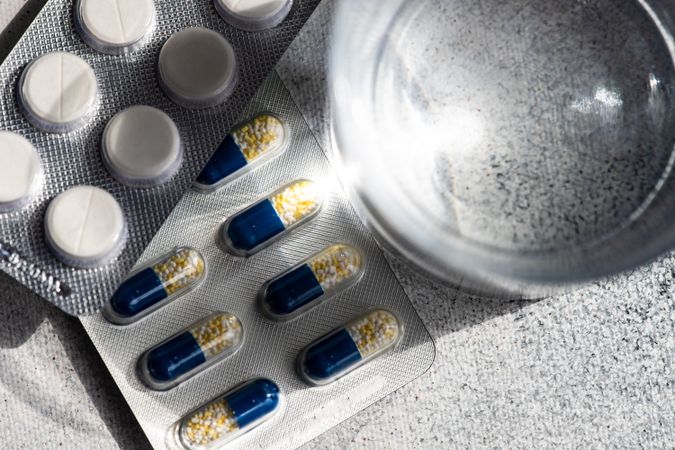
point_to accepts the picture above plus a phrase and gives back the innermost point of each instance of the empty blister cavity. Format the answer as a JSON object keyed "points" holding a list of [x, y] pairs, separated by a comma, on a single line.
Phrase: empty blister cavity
{"points": [[85, 227], [22, 171], [267, 220], [253, 15], [197, 68], [58, 92], [346, 348], [230, 416], [114, 26], [191, 351], [314, 280], [243, 149], [141, 146], [156, 284]]}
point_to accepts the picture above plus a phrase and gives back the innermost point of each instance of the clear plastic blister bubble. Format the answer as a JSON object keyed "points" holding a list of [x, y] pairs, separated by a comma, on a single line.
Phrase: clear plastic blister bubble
{"points": [[84, 65], [155, 284], [310, 282], [114, 27], [254, 142], [58, 92], [85, 227], [229, 416], [149, 129], [18, 186], [267, 220], [190, 351], [347, 348], [388, 346], [197, 68]]}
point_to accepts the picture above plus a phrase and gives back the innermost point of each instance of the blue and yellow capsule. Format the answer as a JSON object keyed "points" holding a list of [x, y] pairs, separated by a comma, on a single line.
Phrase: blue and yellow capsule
{"points": [[156, 284], [249, 145], [349, 347], [311, 282], [267, 220], [190, 351], [230, 416]]}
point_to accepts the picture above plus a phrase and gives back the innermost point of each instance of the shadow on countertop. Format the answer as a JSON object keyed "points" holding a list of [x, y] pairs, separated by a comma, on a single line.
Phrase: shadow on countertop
{"points": [[445, 310], [22, 313]]}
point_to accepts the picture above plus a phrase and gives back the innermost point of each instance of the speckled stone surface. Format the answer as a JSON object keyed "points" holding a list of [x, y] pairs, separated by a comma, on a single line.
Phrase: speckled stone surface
{"points": [[55, 391], [591, 369]]}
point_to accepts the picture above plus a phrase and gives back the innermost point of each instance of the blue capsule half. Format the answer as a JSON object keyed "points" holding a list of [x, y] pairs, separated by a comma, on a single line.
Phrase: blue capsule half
{"points": [[290, 293], [250, 144], [254, 227], [227, 160], [137, 293], [329, 357], [174, 358], [228, 417]]}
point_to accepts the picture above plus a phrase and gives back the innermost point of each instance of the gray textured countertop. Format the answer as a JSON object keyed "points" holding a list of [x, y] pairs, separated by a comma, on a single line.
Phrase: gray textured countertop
{"points": [[593, 368]]}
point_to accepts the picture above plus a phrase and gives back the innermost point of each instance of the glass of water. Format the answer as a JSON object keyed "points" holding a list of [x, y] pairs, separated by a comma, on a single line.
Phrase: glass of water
{"points": [[509, 148]]}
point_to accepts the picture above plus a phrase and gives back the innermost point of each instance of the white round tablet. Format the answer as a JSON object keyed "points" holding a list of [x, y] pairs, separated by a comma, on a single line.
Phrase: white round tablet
{"points": [[141, 146], [58, 92], [22, 171], [85, 227], [197, 68], [253, 15], [114, 26]]}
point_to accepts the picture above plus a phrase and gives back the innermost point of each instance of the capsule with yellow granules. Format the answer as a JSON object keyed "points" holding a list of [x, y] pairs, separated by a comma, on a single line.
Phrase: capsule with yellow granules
{"points": [[248, 146], [229, 416], [156, 284], [270, 218], [349, 347], [190, 351], [311, 282]]}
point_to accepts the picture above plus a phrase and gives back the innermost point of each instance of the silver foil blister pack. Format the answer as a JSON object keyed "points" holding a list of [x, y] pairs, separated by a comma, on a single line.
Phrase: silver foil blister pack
{"points": [[74, 158], [269, 349]]}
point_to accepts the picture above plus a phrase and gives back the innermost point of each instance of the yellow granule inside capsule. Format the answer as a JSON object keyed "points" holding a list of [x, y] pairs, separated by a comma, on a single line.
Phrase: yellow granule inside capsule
{"points": [[296, 202], [375, 332], [259, 136], [179, 270], [218, 334], [335, 265], [208, 424]]}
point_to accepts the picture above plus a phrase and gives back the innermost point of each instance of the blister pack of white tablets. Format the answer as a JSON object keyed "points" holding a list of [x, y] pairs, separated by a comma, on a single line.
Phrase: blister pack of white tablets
{"points": [[262, 313], [108, 111]]}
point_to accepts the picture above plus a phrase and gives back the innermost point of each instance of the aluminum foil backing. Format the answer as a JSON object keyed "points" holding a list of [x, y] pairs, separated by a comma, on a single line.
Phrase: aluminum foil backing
{"points": [[74, 159]]}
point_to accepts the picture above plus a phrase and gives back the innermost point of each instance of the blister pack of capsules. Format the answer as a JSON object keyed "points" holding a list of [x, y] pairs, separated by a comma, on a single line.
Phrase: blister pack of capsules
{"points": [[262, 313], [108, 111]]}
